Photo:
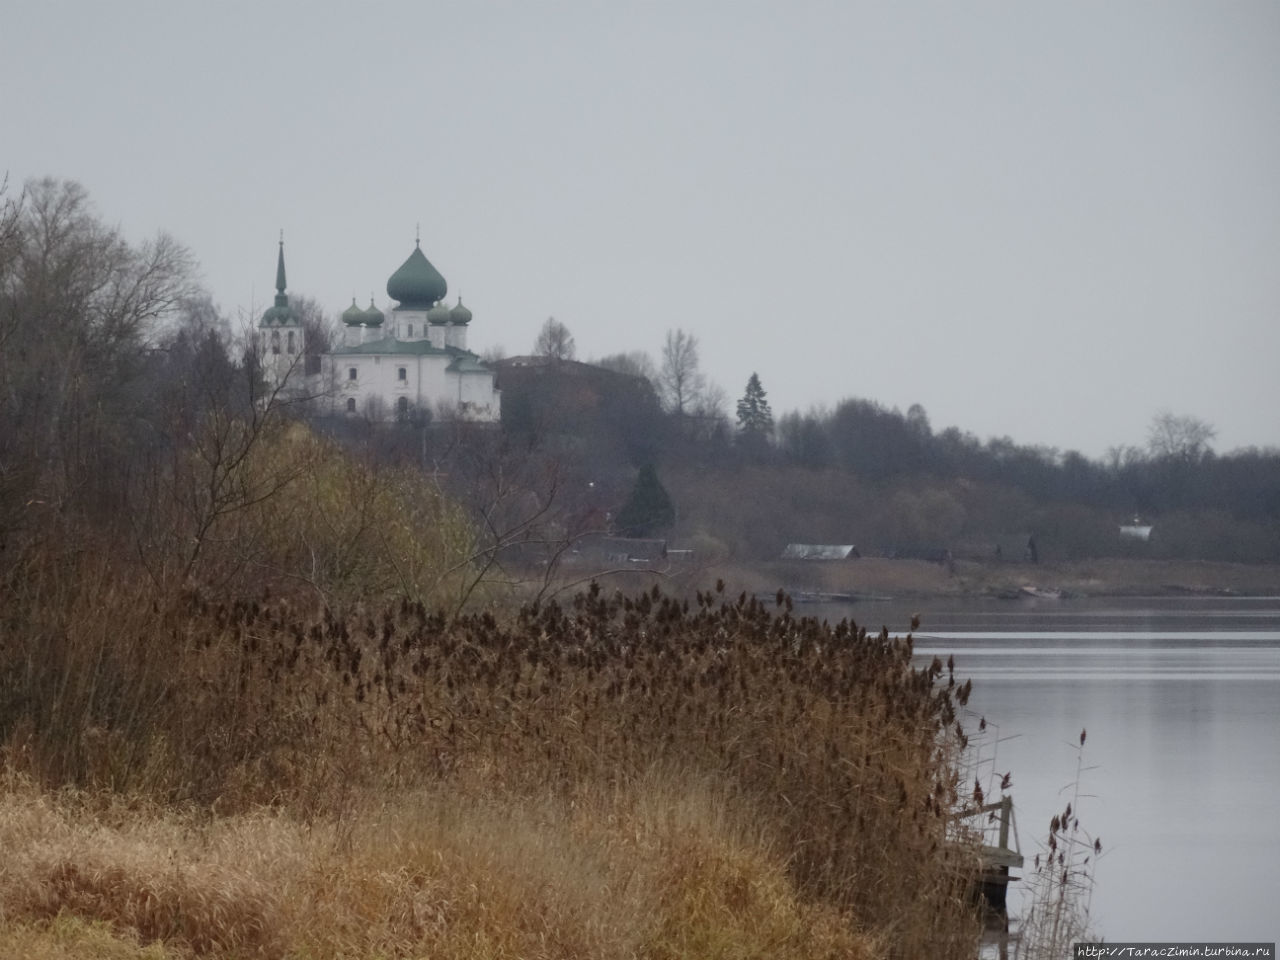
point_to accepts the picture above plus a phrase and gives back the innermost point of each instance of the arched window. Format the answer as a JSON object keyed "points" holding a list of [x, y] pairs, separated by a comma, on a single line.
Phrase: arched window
{"points": [[351, 404], [351, 373], [410, 330], [402, 405], [275, 341], [291, 349]]}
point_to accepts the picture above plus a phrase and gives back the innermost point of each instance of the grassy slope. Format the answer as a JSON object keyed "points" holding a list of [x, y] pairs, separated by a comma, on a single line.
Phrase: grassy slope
{"points": [[660, 872]]}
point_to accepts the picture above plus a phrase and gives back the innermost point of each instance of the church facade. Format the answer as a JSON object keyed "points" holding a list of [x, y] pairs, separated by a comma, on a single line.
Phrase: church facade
{"points": [[410, 362]]}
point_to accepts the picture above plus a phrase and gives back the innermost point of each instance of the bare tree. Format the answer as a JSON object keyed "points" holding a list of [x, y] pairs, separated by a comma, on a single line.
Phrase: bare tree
{"points": [[680, 381], [219, 448], [1182, 438], [80, 310], [918, 421], [321, 331], [10, 212], [635, 363], [554, 341], [524, 511], [1122, 457]]}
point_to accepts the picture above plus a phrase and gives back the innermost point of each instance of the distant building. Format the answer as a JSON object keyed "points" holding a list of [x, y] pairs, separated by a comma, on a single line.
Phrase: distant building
{"points": [[820, 551], [921, 551], [1137, 530], [415, 361], [619, 551]]}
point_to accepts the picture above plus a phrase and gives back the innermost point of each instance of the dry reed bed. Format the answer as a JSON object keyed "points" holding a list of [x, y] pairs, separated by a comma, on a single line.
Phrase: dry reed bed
{"points": [[665, 872], [838, 754]]}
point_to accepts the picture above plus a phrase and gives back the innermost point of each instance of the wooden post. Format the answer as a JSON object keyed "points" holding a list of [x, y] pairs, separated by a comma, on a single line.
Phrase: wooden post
{"points": [[1006, 811]]}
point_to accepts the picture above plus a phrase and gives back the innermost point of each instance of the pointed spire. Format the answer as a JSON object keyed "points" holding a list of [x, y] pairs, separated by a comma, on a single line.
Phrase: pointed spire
{"points": [[280, 284], [280, 313]]}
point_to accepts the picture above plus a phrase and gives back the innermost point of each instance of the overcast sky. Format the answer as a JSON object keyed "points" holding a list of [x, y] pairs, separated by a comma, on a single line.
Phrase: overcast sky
{"points": [[1042, 220]]}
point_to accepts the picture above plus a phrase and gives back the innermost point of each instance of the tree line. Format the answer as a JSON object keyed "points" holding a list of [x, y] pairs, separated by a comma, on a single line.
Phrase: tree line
{"points": [[130, 404], [137, 428], [921, 487]]}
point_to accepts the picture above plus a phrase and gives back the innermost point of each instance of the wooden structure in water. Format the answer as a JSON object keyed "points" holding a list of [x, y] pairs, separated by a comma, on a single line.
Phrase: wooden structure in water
{"points": [[996, 860]]}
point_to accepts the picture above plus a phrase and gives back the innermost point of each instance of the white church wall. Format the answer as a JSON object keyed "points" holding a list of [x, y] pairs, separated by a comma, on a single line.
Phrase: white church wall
{"points": [[424, 382], [479, 401]]}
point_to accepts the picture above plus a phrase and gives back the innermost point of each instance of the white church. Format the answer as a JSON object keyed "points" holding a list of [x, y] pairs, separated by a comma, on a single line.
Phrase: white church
{"points": [[415, 361]]}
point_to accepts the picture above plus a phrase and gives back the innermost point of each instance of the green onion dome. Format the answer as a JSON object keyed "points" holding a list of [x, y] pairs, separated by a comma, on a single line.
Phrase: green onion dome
{"points": [[438, 315], [280, 314], [373, 317], [417, 284], [353, 316], [460, 314]]}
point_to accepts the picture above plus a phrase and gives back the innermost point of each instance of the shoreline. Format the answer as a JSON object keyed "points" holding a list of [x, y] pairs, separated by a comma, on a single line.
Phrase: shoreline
{"points": [[878, 579]]}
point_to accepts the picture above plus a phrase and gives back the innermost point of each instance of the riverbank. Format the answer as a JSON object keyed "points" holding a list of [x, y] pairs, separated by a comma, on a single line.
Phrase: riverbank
{"points": [[603, 777], [873, 578]]}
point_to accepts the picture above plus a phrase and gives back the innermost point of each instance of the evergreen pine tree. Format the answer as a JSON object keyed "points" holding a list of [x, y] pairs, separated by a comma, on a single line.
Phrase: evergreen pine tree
{"points": [[648, 509], [754, 415]]}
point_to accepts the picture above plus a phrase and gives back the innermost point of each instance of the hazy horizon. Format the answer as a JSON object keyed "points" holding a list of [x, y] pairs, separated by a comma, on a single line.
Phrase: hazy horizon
{"points": [[1041, 221]]}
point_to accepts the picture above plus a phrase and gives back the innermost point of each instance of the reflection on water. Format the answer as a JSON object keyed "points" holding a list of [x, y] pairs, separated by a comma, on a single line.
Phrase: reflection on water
{"points": [[1181, 699]]}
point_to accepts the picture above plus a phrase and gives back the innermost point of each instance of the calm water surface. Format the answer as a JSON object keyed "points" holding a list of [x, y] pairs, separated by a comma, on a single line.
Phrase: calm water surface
{"points": [[1181, 700]]}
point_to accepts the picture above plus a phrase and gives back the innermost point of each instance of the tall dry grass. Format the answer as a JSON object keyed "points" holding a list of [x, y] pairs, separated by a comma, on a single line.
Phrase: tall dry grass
{"points": [[1060, 883], [830, 758], [658, 872]]}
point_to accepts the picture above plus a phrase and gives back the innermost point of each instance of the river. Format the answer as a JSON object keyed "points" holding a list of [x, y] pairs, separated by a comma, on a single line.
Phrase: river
{"points": [[1181, 701]]}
